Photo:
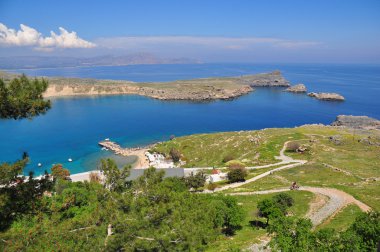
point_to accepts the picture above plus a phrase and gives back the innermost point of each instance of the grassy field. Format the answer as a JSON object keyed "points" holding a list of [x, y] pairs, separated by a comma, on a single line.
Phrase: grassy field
{"points": [[249, 233], [347, 164]]}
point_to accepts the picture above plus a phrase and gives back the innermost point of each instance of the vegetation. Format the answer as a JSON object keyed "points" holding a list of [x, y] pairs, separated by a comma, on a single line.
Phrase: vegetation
{"points": [[253, 227], [150, 213], [293, 146], [195, 181], [237, 174], [351, 166], [58, 172], [275, 207], [22, 98], [292, 234], [175, 155], [19, 195]]}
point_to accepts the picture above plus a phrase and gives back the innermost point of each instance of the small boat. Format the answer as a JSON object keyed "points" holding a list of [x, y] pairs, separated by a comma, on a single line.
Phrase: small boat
{"points": [[107, 139], [39, 164], [104, 148], [70, 160]]}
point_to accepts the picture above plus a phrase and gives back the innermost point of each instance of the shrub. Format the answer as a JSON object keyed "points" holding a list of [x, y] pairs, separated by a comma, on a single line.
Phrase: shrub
{"points": [[292, 146], [283, 201], [175, 155], [95, 177], [232, 164], [58, 172], [237, 174], [212, 186], [196, 181], [227, 158]]}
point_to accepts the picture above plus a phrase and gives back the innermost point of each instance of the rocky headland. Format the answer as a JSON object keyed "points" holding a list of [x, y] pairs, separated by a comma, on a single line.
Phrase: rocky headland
{"points": [[299, 88], [327, 96], [358, 122], [222, 88]]}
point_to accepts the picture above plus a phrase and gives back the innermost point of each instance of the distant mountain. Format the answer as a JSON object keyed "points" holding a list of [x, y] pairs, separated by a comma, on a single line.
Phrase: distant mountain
{"points": [[106, 60]]}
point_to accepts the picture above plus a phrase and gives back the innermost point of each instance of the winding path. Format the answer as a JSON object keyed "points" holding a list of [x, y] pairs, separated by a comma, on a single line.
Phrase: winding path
{"points": [[286, 161], [337, 199]]}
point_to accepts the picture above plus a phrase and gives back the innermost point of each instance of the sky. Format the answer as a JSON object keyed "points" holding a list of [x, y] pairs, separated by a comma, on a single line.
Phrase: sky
{"points": [[323, 31]]}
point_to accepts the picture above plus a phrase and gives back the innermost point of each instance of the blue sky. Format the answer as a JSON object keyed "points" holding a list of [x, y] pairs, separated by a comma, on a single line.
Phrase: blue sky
{"points": [[219, 30]]}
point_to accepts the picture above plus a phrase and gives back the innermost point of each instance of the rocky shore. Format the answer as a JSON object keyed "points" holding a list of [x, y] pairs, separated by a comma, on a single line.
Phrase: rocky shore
{"points": [[196, 89], [358, 122], [299, 88], [327, 96]]}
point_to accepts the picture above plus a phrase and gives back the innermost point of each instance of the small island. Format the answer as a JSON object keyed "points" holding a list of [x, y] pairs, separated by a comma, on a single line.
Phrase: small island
{"points": [[299, 88], [327, 96]]}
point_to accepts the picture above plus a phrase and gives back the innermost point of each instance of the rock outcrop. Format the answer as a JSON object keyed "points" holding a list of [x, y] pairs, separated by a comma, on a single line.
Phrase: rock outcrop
{"points": [[273, 79], [359, 122], [327, 96], [299, 88]]}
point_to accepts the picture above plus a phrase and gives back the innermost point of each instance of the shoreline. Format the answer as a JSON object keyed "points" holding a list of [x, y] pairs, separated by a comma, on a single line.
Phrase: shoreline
{"points": [[142, 162]]}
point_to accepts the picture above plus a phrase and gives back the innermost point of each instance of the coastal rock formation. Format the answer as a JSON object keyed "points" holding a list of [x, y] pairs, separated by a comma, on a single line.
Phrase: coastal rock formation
{"points": [[327, 96], [299, 88], [273, 79], [196, 89], [359, 122]]}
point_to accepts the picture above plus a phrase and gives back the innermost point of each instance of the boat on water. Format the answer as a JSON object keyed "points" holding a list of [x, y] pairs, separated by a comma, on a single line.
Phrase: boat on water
{"points": [[70, 160]]}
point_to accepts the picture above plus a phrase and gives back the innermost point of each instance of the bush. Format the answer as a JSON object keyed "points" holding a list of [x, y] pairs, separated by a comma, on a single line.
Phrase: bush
{"points": [[95, 177], [58, 172], [212, 186], [196, 181], [283, 201], [237, 175], [292, 146], [227, 158], [232, 164], [175, 155]]}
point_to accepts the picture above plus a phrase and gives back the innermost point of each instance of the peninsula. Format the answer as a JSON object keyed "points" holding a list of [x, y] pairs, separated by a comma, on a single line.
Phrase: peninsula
{"points": [[222, 88], [216, 88]]}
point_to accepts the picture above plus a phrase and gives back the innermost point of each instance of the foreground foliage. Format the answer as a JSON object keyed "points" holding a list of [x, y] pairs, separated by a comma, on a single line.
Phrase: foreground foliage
{"points": [[296, 234], [22, 98], [152, 213]]}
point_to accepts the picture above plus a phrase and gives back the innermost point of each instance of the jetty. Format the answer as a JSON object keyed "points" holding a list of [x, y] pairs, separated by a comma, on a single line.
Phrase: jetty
{"points": [[117, 149], [114, 147]]}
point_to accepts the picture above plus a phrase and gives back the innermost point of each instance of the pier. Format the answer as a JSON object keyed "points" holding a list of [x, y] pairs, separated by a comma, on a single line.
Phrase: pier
{"points": [[112, 146]]}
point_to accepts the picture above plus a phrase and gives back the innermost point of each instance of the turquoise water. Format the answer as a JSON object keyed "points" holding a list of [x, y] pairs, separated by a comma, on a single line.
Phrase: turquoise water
{"points": [[73, 127]]}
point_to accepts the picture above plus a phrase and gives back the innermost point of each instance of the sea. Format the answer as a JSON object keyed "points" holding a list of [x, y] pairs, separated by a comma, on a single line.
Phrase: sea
{"points": [[74, 126]]}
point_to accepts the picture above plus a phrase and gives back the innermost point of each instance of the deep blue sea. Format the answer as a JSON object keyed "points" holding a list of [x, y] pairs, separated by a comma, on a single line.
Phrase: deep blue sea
{"points": [[73, 127]]}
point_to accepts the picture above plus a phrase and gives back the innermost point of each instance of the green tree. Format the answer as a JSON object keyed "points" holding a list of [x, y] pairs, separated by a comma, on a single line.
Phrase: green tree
{"points": [[291, 234], [283, 201], [269, 209], [237, 174], [115, 179], [18, 195], [367, 230], [23, 98], [195, 181]]}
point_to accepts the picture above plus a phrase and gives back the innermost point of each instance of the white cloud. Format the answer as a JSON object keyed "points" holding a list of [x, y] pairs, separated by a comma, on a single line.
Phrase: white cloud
{"points": [[28, 36]]}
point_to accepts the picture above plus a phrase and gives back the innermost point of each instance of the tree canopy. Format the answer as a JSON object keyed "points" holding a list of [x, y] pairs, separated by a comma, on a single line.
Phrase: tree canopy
{"points": [[23, 98]]}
